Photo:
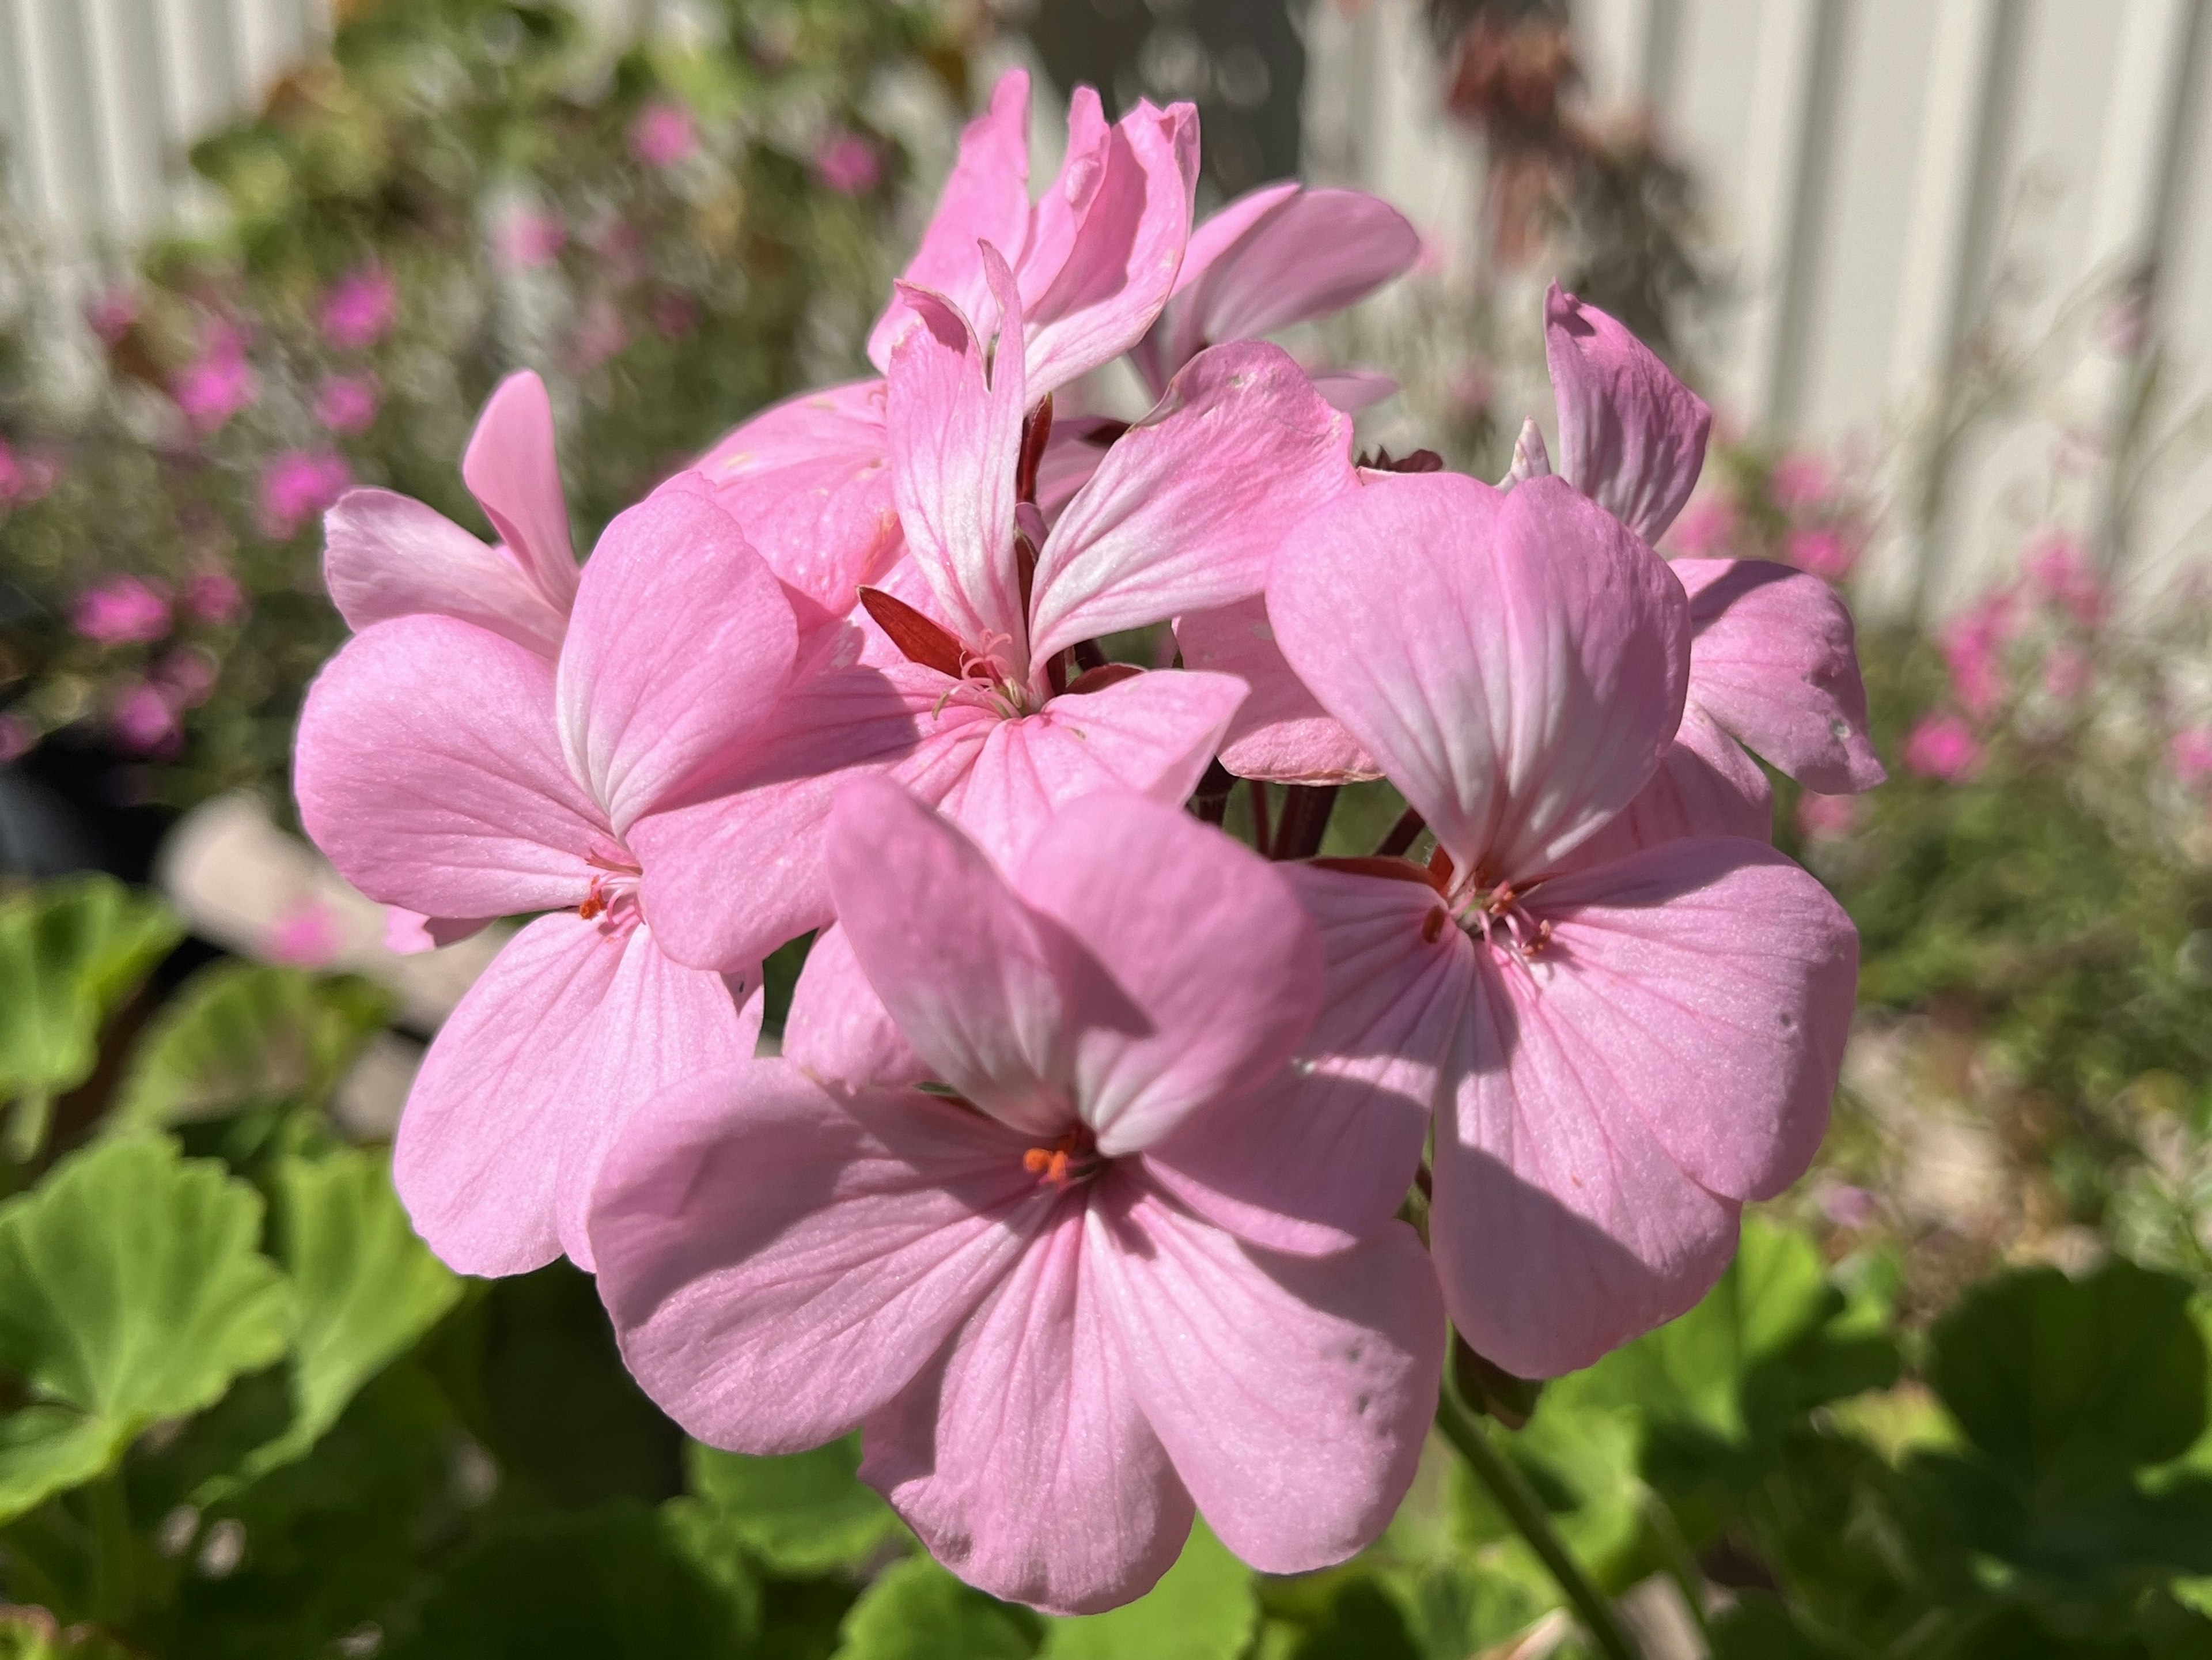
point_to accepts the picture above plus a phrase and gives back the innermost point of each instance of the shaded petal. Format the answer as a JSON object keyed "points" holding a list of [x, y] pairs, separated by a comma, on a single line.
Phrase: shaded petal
{"points": [[677, 654], [1279, 731], [1774, 660], [1021, 1457], [1631, 436], [387, 556], [1161, 905], [429, 769], [1323, 1156], [1705, 785], [1071, 454], [1353, 390], [810, 484], [838, 1029], [513, 470], [1516, 661], [1187, 508], [410, 934], [532, 1076], [1293, 1393], [1178, 336], [779, 1263], [986, 199]]}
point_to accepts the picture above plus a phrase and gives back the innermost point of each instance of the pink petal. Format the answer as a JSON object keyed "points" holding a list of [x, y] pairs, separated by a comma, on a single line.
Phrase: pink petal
{"points": [[969, 973], [955, 432], [1177, 337], [677, 655], [1322, 1158], [1127, 244], [1293, 1393], [410, 934], [1705, 785], [533, 1075], [809, 483], [1021, 1457], [1279, 731], [1188, 508], [1515, 662], [779, 1263], [986, 199], [387, 556], [1071, 454], [1672, 1054], [1161, 905], [1631, 436], [512, 470], [1353, 390], [1774, 661], [838, 1031], [428, 770]]}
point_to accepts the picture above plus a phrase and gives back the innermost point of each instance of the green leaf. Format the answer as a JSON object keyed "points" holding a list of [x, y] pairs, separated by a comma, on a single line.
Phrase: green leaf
{"points": [[917, 1611], [130, 1291], [805, 1513], [605, 1584], [240, 1033], [1203, 1608], [70, 952], [2061, 1381]]}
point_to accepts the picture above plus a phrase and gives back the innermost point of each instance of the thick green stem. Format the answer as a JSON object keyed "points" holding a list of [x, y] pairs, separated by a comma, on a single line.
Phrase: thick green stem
{"points": [[1526, 1511], [114, 1548]]}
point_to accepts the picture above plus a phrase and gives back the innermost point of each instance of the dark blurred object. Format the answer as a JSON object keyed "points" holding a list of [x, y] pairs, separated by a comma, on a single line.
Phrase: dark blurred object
{"points": [[1240, 61]]}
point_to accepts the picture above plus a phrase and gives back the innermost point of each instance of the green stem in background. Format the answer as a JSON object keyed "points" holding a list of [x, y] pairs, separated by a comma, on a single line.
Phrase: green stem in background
{"points": [[113, 1548], [28, 1120], [1527, 1513]]}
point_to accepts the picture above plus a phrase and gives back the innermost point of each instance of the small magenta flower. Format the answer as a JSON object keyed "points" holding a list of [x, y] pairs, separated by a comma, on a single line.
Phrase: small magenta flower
{"points": [[2188, 752], [219, 383], [2059, 565], [17, 738], [297, 485], [112, 312], [144, 718], [122, 611], [214, 597], [1943, 747], [347, 404], [1822, 550], [360, 308], [1801, 480], [664, 135], [1827, 817], [307, 936], [846, 163], [525, 238], [1974, 644]]}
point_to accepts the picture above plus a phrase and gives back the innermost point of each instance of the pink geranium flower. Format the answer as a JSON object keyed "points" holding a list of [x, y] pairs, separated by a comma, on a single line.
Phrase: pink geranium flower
{"points": [[360, 308], [846, 163], [1827, 817], [2059, 565], [1974, 644], [219, 383], [1823, 550], [124, 610], [663, 134], [145, 720], [1943, 747], [1706, 527], [213, 597], [1799, 481], [1624, 1045], [1057, 1337], [457, 773], [186, 675], [2188, 752], [295, 486], [346, 404]]}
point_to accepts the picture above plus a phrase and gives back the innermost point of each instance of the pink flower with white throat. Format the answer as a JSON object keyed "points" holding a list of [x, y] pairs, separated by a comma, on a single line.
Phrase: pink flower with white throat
{"points": [[1053, 1356], [1621, 1049], [454, 771]]}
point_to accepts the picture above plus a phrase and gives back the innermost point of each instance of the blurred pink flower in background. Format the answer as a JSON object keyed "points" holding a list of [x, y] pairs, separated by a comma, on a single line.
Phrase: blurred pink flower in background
{"points": [[2067, 672], [213, 597], [526, 239], [846, 163], [186, 675], [347, 402], [306, 937], [360, 308], [112, 313], [122, 611], [1705, 528], [675, 314], [620, 245], [1827, 817], [1799, 481], [1470, 393], [599, 335], [27, 476], [1824, 552], [2188, 752], [664, 135], [1943, 747], [144, 719], [1972, 644], [1847, 1207], [16, 737], [218, 383], [2059, 565], [296, 486]]}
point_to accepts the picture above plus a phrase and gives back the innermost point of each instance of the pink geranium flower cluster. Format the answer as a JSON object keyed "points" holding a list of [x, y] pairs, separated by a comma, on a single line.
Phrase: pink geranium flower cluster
{"points": [[1077, 1184]]}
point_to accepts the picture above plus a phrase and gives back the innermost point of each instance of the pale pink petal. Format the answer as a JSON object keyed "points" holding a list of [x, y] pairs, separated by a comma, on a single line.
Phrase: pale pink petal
{"points": [[512, 472], [1705, 785], [1021, 1457], [1530, 458], [1323, 1156], [410, 934], [428, 770], [533, 1075], [1516, 661], [972, 978], [1188, 505], [387, 556], [1632, 436], [1127, 247], [1059, 212], [1073, 452], [986, 199], [1670, 1055], [1163, 1025], [838, 1031], [678, 653], [1353, 390], [955, 432], [1279, 732], [1773, 659], [779, 1263], [809, 483], [1293, 1393], [1152, 733], [1176, 339]]}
